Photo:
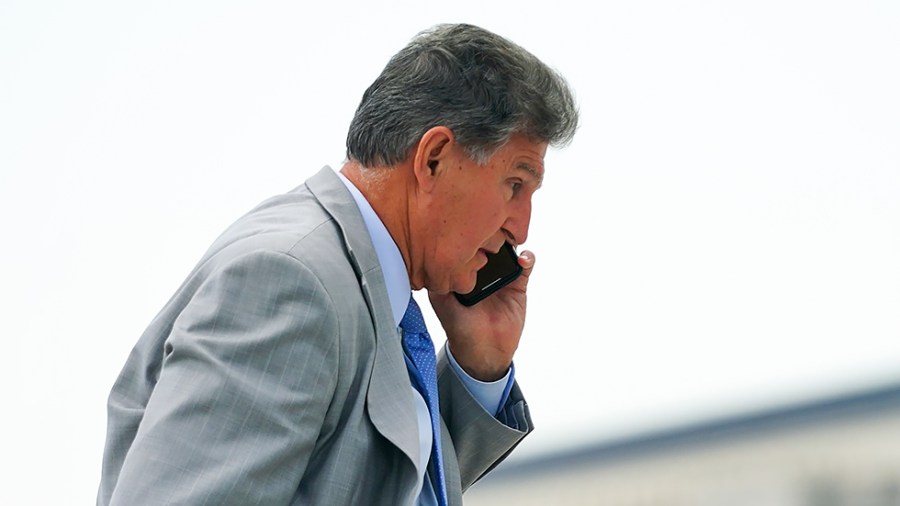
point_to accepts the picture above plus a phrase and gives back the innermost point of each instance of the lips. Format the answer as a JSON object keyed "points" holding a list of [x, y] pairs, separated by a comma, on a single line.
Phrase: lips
{"points": [[483, 253], [494, 250]]}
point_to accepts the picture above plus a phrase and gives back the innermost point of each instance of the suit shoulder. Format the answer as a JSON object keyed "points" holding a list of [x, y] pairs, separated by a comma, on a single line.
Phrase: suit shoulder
{"points": [[277, 224]]}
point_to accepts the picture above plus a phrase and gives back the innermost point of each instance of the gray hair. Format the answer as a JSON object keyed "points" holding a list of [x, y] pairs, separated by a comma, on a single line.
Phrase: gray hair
{"points": [[481, 86]]}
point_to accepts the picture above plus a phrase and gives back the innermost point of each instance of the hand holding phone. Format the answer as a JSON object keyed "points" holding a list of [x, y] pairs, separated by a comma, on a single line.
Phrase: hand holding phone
{"points": [[484, 337], [502, 268]]}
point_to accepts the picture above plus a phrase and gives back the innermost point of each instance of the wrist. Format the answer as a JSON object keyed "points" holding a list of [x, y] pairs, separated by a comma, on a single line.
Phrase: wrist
{"points": [[482, 366]]}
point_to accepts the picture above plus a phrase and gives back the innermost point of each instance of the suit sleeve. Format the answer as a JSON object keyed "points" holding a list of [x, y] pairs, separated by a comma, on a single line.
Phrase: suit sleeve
{"points": [[481, 441], [249, 371]]}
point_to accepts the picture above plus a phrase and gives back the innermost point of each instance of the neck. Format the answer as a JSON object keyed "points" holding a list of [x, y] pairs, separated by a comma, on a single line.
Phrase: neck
{"points": [[391, 193]]}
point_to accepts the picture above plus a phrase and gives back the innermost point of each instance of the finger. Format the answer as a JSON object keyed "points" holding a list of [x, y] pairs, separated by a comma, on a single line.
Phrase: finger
{"points": [[526, 260]]}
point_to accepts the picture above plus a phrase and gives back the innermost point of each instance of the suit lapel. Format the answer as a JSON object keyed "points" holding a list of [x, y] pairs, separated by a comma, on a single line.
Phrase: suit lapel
{"points": [[389, 398]]}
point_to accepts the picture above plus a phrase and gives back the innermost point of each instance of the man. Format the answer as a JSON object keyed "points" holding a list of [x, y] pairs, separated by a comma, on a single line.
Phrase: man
{"points": [[292, 367]]}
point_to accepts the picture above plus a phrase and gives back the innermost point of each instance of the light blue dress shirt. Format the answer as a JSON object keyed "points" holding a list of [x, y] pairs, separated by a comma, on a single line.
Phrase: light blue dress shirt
{"points": [[491, 395]]}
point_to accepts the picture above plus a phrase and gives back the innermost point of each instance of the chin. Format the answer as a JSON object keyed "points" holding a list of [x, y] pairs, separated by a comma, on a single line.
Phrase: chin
{"points": [[466, 287], [440, 288]]}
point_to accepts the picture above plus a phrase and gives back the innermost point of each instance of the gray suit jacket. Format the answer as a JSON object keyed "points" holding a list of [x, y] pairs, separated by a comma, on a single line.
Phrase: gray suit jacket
{"points": [[275, 375]]}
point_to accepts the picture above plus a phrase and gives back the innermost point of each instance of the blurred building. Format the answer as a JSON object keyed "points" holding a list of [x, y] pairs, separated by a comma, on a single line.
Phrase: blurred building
{"points": [[842, 451]]}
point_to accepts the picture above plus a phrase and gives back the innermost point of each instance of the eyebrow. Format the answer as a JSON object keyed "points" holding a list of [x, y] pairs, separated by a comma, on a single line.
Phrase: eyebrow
{"points": [[531, 169]]}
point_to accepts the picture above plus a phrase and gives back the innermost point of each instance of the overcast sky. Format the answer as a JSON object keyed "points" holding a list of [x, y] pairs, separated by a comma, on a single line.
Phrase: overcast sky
{"points": [[723, 234]]}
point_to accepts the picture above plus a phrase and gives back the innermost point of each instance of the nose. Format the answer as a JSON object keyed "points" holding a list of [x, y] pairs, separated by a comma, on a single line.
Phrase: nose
{"points": [[516, 225]]}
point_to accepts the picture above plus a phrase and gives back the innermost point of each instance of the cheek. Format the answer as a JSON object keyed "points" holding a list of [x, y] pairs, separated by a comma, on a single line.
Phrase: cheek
{"points": [[469, 218], [490, 211]]}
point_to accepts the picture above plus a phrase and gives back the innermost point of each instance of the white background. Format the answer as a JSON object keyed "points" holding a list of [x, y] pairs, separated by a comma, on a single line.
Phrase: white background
{"points": [[722, 236]]}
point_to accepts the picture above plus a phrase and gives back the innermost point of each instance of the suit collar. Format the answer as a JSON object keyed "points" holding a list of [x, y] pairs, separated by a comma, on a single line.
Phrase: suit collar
{"points": [[392, 413], [389, 258]]}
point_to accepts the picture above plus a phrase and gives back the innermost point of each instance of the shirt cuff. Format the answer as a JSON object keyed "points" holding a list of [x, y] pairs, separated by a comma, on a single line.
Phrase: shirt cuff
{"points": [[491, 395]]}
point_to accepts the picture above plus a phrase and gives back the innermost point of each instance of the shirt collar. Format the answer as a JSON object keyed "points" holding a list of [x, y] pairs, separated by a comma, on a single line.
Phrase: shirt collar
{"points": [[392, 266]]}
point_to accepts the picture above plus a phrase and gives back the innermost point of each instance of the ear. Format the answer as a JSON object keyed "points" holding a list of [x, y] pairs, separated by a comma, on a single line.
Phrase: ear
{"points": [[432, 154]]}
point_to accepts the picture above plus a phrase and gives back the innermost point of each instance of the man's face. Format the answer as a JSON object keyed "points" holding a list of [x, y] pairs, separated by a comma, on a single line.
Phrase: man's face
{"points": [[475, 208]]}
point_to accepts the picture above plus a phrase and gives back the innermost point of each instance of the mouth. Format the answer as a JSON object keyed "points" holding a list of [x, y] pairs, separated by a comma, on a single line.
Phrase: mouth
{"points": [[484, 255]]}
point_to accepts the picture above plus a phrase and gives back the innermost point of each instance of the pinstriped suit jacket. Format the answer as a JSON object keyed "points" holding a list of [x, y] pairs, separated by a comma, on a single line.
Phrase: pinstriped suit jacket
{"points": [[275, 375]]}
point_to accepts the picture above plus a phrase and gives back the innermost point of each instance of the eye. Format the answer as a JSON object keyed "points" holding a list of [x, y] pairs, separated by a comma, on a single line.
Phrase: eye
{"points": [[516, 186]]}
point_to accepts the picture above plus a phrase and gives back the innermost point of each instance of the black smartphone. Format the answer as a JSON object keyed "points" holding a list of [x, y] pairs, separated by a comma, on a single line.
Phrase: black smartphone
{"points": [[501, 269]]}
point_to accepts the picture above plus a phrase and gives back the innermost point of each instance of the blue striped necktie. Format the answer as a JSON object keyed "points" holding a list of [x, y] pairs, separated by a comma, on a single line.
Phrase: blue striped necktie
{"points": [[421, 363]]}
